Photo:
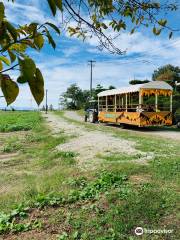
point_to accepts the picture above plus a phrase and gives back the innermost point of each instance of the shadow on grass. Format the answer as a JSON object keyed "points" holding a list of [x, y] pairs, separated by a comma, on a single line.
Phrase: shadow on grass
{"points": [[145, 129]]}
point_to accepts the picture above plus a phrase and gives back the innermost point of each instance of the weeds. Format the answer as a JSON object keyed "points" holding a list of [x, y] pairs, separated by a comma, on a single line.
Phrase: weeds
{"points": [[9, 222], [12, 145], [87, 191], [80, 182], [92, 190], [49, 200]]}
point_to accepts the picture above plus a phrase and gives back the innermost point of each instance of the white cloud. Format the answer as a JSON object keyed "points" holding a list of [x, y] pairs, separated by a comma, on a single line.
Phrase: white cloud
{"points": [[62, 67], [59, 78], [147, 47], [23, 13], [71, 51], [60, 72]]}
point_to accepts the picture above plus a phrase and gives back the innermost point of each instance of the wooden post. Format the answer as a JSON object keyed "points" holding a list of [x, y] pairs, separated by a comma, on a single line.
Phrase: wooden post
{"points": [[106, 104], [130, 103], [115, 103], [126, 102], [171, 100], [46, 101], [98, 104], [140, 99], [156, 102]]}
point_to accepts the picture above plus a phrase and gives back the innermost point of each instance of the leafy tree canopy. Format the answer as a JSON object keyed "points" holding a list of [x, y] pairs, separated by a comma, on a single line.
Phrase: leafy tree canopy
{"points": [[76, 98], [81, 18], [73, 97], [168, 73], [111, 87], [99, 88], [135, 81]]}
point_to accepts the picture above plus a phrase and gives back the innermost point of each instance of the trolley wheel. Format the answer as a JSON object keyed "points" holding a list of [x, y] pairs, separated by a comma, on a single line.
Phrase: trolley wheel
{"points": [[92, 117], [178, 124], [123, 125]]}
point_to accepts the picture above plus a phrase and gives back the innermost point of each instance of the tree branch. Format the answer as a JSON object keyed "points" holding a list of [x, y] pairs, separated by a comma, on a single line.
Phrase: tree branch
{"points": [[97, 32], [8, 69]]}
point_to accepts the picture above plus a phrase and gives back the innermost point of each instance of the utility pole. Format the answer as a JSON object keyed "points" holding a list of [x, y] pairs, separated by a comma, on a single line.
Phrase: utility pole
{"points": [[91, 65], [46, 101], [31, 103]]}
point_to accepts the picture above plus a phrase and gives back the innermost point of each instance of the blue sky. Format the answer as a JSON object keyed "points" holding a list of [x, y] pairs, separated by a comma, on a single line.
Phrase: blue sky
{"points": [[68, 63]]}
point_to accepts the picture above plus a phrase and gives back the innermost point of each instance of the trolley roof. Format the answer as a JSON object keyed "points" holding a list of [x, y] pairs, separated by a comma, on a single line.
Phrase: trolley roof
{"points": [[136, 88]]}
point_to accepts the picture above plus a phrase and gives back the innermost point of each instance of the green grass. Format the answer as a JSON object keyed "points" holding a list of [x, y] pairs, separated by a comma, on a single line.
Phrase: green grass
{"points": [[80, 112], [12, 144], [116, 157], [18, 121], [38, 167], [161, 173], [103, 204]]}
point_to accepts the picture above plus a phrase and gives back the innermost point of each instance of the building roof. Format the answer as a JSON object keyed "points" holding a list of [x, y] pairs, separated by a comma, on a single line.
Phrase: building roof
{"points": [[136, 88]]}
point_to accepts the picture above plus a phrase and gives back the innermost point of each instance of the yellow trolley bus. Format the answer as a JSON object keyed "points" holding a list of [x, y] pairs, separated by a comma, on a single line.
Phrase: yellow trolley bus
{"points": [[148, 104]]}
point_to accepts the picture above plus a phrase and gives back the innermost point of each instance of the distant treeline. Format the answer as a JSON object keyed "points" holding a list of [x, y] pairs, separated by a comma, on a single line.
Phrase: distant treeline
{"points": [[76, 98]]}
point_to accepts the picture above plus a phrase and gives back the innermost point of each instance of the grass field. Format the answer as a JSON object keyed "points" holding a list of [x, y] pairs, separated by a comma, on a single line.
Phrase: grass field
{"points": [[16, 121], [44, 195]]}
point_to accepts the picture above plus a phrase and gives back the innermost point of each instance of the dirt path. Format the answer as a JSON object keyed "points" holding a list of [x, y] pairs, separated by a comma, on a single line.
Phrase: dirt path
{"points": [[175, 135], [89, 145]]}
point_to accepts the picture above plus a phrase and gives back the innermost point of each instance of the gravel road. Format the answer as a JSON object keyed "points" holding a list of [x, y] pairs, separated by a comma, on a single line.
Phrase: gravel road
{"points": [[165, 133], [89, 145]]}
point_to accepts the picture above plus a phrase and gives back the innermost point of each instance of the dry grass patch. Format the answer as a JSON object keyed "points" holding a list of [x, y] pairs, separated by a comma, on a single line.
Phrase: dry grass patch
{"points": [[141, 178]]}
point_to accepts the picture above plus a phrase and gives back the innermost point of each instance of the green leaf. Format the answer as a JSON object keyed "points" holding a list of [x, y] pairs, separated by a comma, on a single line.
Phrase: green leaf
{"points": [[9, 88], [162, 22], [59, 4], [12, 56], [33, 27], [28, 42], [12, 31], [51, 41], [1, 11], [137, 21], [76, 235], [104, 25], [39, 41], [1, 66], [37, 86], [170, 35], [5, 60], [21, 80], [52, 6], [132, 31], [27, 68], [20, 48], [54, 27], [156, 31]]}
